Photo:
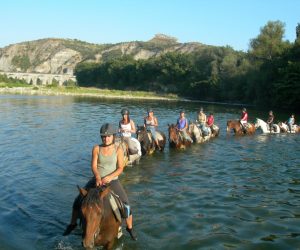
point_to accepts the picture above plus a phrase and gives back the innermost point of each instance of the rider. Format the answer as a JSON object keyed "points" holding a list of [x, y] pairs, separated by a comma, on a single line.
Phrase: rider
{"points": [[291, 122], [270, 120], [126, 127], [150, 122], [201, 118], [244, 119], [107, 164], [182, 125], [210, 120]]}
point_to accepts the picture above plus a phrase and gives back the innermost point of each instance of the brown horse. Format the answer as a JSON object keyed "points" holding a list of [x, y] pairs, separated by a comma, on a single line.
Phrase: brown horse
{"points": [[237, 128], [148, 145], [99, 224], [176, 140]]}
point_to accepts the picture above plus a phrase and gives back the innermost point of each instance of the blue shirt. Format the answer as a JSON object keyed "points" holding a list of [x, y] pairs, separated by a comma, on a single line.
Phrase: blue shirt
{"points": [[181, 123]]}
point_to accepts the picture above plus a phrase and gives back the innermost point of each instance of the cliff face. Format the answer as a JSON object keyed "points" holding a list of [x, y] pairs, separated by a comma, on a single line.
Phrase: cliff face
{"points": [[60, 56]]}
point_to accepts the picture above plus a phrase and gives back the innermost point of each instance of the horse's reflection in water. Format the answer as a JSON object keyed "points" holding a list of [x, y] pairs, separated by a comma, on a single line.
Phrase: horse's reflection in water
{"points": [[99, 224]]}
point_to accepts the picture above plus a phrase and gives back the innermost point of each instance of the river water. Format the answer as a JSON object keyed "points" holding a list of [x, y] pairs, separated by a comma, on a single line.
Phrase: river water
{"points": [[228, 193]]}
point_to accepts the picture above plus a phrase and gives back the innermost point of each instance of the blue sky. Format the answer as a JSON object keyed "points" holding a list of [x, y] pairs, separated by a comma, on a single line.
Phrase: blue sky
{"points": [[214, 22]]}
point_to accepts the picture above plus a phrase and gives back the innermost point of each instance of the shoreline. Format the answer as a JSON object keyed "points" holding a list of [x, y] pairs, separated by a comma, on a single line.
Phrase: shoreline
{"points": [[102, 93]]}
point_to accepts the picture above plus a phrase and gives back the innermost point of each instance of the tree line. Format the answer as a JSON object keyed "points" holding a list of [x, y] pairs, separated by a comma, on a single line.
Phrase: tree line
{"points": [[268, 74]]}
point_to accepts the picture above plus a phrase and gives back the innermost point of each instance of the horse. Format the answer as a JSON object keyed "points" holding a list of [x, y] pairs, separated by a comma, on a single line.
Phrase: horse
{"points": [[131, 148], [197, 134], [147, 143], [265, 128], [99, 224], [176, 140], [215, 130], [237, 128], [285, 128]]}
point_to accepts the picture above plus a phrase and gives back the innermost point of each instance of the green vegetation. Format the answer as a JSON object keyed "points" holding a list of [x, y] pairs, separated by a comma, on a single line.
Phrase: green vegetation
{"points": [[268, 74], [21, 62], [10, 82]]}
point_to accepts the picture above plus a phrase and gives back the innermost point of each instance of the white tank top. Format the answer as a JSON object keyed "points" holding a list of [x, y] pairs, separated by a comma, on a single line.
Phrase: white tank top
{"points": [[127, 128]]}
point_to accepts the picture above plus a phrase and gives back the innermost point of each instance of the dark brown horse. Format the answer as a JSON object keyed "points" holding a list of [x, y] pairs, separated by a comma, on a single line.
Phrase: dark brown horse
{"points": [[176, 140], [148, 145], [237, 128], [99, 224]]}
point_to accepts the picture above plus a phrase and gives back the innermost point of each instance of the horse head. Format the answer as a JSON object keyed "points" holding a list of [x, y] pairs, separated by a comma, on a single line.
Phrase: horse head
{"points": [[175, 139], [195, 132], [233, 125], [147, 144], [92, 212]]}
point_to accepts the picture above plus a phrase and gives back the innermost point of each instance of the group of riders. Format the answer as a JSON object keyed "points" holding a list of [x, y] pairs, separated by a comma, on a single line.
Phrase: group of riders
{"points": [[107, 161], [270, 121]]}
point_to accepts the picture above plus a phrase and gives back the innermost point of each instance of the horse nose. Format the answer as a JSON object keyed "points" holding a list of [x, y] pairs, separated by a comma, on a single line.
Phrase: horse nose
{"points": [[88, 245]]}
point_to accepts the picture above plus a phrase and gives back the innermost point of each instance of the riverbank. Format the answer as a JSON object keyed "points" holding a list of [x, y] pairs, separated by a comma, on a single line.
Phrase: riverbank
{"points": [[85, 92], [49, 90]]}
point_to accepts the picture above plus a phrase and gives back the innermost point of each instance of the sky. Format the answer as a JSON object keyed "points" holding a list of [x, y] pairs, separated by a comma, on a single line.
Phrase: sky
{"points": [[212, 22]]}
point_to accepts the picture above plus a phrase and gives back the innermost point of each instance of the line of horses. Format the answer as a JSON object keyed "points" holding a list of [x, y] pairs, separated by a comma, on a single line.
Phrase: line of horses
{"points": [[250, 128], [99, 222]]}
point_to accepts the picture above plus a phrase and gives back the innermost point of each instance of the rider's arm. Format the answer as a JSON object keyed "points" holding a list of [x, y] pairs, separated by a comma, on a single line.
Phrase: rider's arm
{"points": [[133, 130], [155, 122], [186, 124], [95, 154]]}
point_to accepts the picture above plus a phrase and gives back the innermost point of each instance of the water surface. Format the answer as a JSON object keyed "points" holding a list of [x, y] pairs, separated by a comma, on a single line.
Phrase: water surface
{"points": [[229, 193]]}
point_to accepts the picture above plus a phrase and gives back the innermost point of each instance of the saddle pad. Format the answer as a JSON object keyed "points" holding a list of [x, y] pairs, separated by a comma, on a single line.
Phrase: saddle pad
{"points": [[159, 136], [115, 208]]}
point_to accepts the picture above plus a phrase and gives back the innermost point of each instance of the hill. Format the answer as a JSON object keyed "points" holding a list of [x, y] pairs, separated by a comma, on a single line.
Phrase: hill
{"points": [[60, 56]]}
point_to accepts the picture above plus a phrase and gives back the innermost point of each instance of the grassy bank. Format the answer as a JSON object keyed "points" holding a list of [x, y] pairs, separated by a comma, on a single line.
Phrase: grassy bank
{"points": [[25, 89]]}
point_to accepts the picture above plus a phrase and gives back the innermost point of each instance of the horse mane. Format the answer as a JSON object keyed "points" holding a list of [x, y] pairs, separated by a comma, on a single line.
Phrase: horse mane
{"points": [[92, 197]]}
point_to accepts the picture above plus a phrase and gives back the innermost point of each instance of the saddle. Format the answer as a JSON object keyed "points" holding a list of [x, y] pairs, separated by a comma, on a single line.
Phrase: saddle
{"points": [[119, 208]]}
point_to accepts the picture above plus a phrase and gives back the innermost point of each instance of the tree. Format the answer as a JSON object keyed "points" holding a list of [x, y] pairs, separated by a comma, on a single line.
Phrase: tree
{"points": [[269, 43]]}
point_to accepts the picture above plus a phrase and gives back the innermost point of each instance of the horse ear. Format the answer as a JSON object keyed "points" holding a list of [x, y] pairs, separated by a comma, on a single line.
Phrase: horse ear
{"points": [[83, 192]]}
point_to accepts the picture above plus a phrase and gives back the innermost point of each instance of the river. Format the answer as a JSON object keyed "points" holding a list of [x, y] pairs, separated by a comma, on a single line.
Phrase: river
{"points": [[228, 193]]}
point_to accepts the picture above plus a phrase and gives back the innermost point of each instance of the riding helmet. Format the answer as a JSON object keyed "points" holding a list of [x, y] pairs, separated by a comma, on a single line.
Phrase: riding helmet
{"points": [[107, 129], [244, 110], [125, 111]]}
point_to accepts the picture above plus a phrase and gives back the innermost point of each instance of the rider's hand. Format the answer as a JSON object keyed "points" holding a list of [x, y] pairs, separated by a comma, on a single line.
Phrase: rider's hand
{"points": [[98, 181], [106, 179]]}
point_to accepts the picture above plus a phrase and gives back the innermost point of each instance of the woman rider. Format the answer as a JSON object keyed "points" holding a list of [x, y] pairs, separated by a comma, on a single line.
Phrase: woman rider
{"points": [[244, 119], [126, 127], [107, 164], [150, 122], [270, 120], [201, 118], [182, 126]]}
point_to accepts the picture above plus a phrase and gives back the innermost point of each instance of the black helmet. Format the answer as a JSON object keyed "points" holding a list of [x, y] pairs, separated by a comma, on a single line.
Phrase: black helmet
{"points": [[125, 111], [107, 129]]}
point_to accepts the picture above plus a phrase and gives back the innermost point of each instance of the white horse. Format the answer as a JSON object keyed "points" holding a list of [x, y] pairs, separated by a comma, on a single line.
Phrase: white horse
{"points": [[265, 128], [285, 128], [197, 135]]}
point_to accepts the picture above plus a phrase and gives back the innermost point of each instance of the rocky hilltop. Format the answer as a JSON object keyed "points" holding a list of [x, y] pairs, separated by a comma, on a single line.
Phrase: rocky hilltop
{"points": [[60, 56]]}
